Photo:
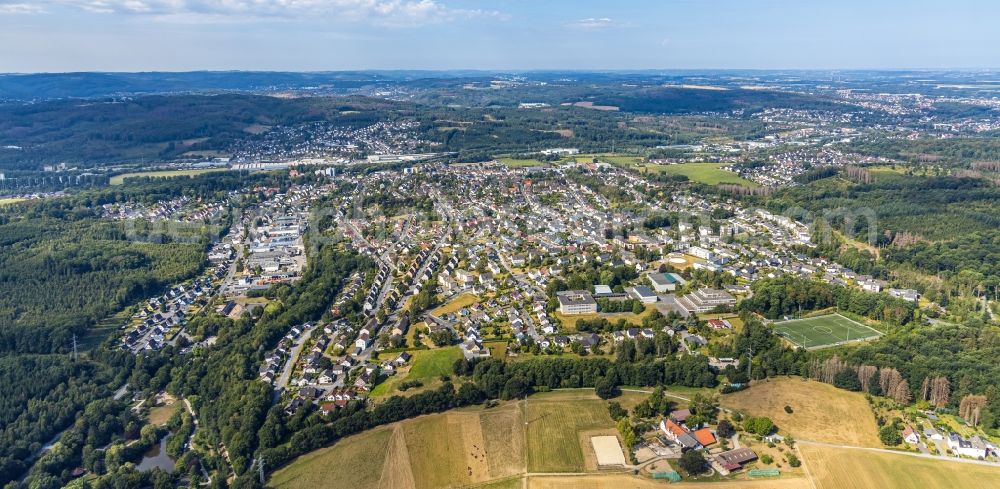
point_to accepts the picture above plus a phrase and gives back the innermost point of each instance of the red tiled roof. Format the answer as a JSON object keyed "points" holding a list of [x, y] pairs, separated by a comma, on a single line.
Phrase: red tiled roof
{"points": [[716, 323], [674, 428], [704, 436]]}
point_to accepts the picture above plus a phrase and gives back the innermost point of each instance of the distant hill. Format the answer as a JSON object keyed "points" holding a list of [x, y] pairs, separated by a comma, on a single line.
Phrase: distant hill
{"points": [[86, 85]]}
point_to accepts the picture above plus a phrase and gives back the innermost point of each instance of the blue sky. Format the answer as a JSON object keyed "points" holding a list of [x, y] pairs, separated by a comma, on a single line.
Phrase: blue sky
{"points": [[315, 35]]}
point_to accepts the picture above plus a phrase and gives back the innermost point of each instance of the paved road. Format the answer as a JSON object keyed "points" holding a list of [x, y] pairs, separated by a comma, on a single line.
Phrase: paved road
{"points": [[293, 356], [532, 329], [227, 286], [359, 236], [519, 278], [228, 283]]}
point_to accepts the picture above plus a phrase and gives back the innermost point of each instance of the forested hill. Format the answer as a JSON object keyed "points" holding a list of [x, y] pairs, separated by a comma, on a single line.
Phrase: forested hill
{"points": [[939, 233], [154, 127], [106, 131], [63, 269], [82, 85], [60, 277]]}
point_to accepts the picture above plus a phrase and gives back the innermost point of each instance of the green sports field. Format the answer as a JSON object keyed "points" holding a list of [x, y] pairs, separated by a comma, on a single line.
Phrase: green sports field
{"points": [[824, 331], [707, 173]]}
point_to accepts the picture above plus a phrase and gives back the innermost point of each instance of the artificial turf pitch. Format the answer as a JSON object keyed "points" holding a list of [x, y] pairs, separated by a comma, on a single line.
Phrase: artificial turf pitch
{"points": [[823, 331]]}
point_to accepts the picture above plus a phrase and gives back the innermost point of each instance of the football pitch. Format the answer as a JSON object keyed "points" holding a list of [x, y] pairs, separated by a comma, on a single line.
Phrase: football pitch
{"points": [[824, 331]]}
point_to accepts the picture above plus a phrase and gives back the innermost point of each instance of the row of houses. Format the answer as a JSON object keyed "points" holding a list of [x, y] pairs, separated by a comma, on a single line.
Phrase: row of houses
{"points": [[164, 313]]}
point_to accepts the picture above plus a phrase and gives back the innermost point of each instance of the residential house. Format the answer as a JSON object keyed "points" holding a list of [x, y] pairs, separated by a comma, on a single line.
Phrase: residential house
{"points": [[327, 377], [905, 294], [966, 448]]}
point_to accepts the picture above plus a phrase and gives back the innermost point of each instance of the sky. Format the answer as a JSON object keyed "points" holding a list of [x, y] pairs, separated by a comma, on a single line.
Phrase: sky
{"points": [[327, 35]]}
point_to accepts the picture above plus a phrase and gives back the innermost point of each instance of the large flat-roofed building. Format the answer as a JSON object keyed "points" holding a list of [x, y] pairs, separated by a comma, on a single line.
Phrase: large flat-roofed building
{"points": [[643, 294], [576, 302], [705, 299], [602, 290], [700, 252], [665, 282]]}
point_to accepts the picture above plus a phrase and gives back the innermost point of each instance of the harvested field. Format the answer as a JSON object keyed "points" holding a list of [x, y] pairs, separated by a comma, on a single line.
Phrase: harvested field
{"points": [[838, 468], [818, 413], [626, 481]]}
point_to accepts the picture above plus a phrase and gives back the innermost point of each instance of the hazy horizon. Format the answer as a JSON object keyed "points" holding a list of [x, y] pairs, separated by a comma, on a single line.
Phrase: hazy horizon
{"points": [[60, 36], [679, 71]]}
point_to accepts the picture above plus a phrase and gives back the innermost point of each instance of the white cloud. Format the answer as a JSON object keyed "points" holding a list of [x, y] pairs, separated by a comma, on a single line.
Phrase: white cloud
{"points": [[392, 12], [594, 23], [20, 8]]}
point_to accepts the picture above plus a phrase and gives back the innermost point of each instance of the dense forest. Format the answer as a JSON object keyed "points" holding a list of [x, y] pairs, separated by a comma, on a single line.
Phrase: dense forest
{"points": [[61, 277], [938, 151], [65, 272], [964, 354], [933, 208], [788, 295], [38, 395], [940, 233]]}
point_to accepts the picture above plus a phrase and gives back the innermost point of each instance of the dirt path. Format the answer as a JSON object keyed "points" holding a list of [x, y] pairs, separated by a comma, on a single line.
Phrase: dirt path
{"points": [[396, 470]]}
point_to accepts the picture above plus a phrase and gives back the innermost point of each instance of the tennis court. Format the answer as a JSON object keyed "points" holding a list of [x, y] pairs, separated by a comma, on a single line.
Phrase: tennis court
{"points": [[824, 331]]}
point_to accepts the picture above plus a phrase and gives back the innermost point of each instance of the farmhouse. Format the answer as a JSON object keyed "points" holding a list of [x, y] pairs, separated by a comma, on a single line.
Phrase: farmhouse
{"points": [[680, 435], [680, 415]]}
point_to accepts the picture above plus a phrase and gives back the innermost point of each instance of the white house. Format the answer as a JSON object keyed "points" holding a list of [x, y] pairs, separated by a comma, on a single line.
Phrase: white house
{"points": [[966, 448]]}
